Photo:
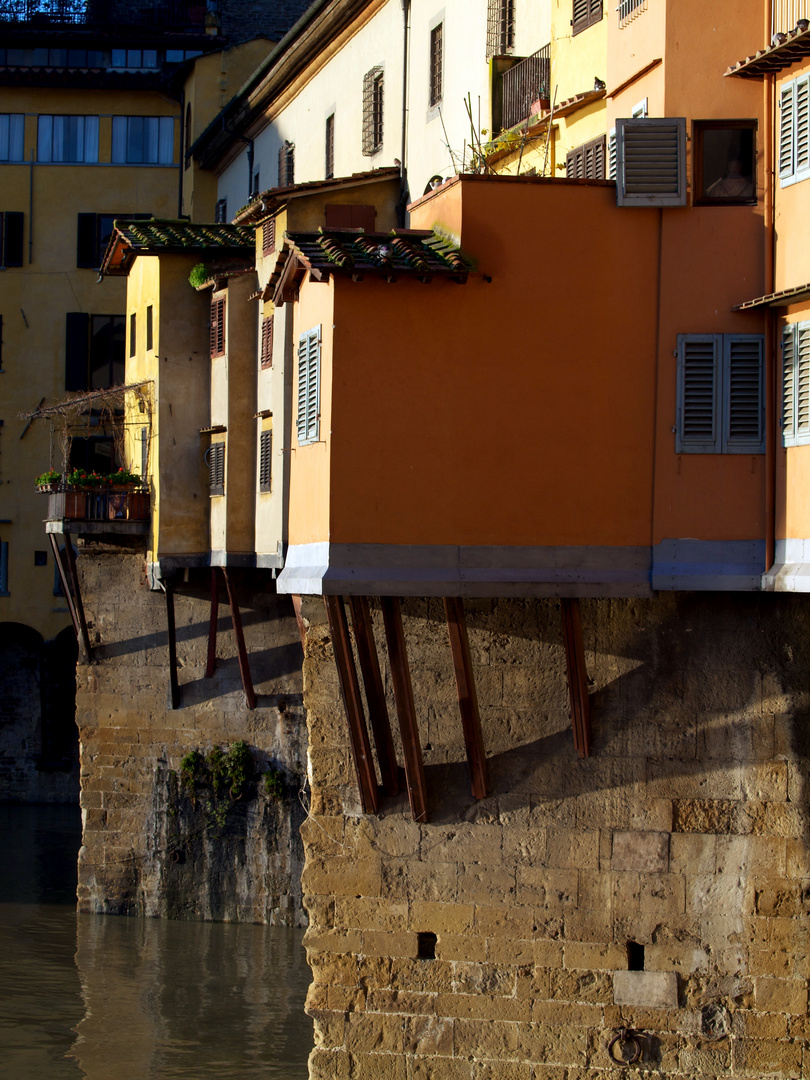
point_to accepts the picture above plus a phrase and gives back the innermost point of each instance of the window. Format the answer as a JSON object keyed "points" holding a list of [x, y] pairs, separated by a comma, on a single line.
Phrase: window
{"points": [[94, 350], [267, 342], [309, 389], [4, 568], [286, 165], [269, 236], [133, 334], [725, 162], [143, 140], [11, 238], [586, 13], [265, 460], [12, 127], [435, 65], [630, 10], [794, 131], [93, 234], [149, 342], [256, 184], [720, 394], [67, 138], [500, 27], [215, 459], [218, 327], [329, 169], [587, 162], [796, 384], [651, 162], [372, 111], [221, 212], [135, 58]]}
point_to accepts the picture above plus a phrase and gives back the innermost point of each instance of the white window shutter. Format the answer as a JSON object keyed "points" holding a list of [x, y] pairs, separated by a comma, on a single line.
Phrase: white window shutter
{"points": [[612, 155], [309, 386], [788, 386], [698, 428], [743, 412], [802, 126], [651, 161], [802, 369]]}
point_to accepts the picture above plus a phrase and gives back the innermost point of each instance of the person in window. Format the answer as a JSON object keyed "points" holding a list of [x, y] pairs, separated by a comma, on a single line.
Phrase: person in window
{"points": [[736, 184]]}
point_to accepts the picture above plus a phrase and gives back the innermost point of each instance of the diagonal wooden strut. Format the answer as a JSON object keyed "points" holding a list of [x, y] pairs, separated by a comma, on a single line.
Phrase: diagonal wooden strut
{"points": [[375, 695], [63, 577], [403, 694], [76, 591], [467, 696], [241, 650], [212, 626], [577, 675], [174, 686], [350, 691]]}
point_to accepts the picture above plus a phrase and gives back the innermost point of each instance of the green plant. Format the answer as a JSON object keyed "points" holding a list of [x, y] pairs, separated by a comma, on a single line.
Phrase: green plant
{"points": [[218, 769], [192, 771], [274, 784], [198, 276], [82, 478], [49, 477], [240, 768], [124, 476]]}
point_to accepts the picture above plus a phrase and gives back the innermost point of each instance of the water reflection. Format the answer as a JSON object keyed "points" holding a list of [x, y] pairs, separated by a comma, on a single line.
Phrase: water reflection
{"points": [[99, 996]]}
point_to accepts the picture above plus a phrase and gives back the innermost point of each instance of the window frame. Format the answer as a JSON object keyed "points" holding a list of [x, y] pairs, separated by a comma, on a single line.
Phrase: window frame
{"points": [[89, 139], [500, 28], [286, 164], [12, 238], [308, 413], [699, 128], [121, 143], [373, 105], [221, 212], [719, 362], [15, 123], [436, 64]]}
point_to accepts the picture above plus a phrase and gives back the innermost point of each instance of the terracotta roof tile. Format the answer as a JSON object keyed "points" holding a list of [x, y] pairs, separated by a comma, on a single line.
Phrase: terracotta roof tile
{"points": [[794, 47], [156, 236]]}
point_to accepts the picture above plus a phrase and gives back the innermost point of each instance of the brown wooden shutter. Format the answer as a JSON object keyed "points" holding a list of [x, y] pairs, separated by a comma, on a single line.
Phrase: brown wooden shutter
{"points": [[267, 342], [218, 327], [269, 236], [586, 13], [216, 468]]}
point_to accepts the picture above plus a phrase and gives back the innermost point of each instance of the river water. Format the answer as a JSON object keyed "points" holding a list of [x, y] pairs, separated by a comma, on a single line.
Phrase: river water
{"points": [[96, 997]]}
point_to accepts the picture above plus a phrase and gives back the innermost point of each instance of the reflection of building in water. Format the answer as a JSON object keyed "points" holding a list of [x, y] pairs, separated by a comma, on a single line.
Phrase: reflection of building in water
{"points": [[176, 998]]}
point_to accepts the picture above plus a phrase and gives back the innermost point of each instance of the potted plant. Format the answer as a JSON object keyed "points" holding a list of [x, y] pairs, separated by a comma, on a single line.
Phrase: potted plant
{"points": [[124, 479], [49, 480], [80, 478]]}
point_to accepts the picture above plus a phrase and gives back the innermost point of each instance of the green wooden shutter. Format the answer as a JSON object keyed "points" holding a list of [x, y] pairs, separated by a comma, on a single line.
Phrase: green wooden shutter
{"points": [[77, 349], [788, 386], [309, 391], [265, 460], [743, 411], [698, 430]]}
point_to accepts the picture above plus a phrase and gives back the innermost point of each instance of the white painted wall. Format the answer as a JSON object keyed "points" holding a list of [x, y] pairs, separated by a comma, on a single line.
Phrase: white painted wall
{"points": [[436, 137]]}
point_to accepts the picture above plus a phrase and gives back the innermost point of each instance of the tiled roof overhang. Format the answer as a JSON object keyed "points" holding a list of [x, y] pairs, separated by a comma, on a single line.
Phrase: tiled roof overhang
{"points": [[775, 58], [157, 237], [782, 298], [355, 254], [269, 201]]}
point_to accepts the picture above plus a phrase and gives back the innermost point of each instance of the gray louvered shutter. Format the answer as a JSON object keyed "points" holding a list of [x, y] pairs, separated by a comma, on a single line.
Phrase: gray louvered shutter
{"points": [[802, 369], [788, 386], [802, 125], [698, 429], [309, 390], [651, 161], [786, 131], [612, 155], [265, 460], [216, 468], [744, 418]]}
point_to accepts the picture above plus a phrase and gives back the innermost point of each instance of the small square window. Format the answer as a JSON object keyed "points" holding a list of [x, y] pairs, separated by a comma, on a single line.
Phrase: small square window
{"points": [[149, 345], [40, 558], [132, 335], [725, 162]]}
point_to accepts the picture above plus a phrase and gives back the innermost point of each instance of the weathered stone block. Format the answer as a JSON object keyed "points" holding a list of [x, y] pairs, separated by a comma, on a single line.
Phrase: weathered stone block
{"points": [[644, 852], [655, 989]]}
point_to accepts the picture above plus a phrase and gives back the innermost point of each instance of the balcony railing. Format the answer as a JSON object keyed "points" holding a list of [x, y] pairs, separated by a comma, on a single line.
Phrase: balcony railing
{"points": [[178, 14], [523, 84], [630, 10], [98, 505], [786, 14]]}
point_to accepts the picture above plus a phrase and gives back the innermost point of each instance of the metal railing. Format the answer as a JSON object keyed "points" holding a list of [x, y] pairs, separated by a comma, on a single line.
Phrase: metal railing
{"points": [[786, 13], [524, 83], [163, 13], [630, 10]]}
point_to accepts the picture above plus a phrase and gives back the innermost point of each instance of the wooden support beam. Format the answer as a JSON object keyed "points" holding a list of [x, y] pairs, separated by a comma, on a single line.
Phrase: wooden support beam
{"points": [[241, 650], [73, 577], [174, 686], [352, 702], [375, 695], [212, 626], [577, 675], [403, 694], [299, 618], [63, 577], [467, 696]]}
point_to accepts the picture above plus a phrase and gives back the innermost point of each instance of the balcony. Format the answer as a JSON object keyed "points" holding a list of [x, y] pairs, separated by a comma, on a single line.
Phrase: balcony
{"points": [[629, 11], [98, 511], [786, 14], [527, 81], [175, 14]]}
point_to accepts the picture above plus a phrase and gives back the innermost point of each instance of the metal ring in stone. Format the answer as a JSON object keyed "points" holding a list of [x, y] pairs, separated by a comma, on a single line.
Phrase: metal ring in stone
{"points": [[623, 1038]]}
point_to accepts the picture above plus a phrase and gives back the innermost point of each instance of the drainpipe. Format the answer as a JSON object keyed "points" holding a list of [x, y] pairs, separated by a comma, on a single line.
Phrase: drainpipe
{"points": [[403, 171], [772, 428]]}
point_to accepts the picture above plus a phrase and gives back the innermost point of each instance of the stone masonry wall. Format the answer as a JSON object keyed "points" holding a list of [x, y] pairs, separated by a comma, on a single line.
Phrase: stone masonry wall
{"points": [[679, 848], [150, 846]]}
